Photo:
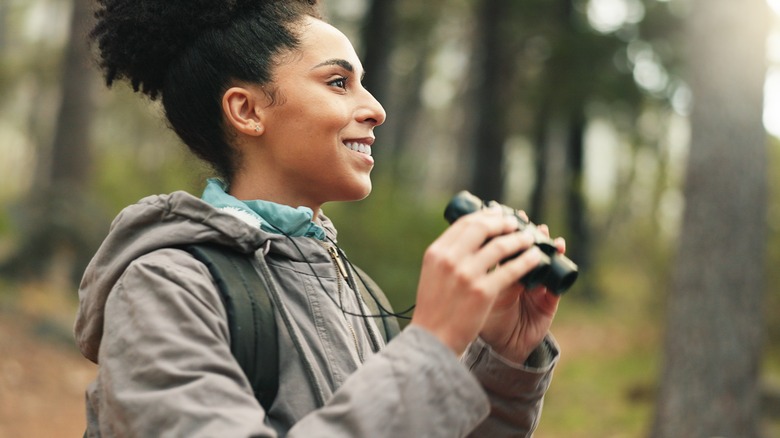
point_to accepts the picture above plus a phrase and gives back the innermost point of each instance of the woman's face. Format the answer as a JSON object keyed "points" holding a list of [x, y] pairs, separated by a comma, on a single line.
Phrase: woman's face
{"points": [[319, 132]]}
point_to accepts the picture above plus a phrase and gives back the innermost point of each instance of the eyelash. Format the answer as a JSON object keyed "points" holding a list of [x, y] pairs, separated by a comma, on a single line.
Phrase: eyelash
{"points": [[343, 80]]}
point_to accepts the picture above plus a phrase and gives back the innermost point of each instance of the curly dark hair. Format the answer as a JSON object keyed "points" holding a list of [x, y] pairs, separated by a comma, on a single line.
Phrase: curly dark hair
{"points": [[189, 52]]}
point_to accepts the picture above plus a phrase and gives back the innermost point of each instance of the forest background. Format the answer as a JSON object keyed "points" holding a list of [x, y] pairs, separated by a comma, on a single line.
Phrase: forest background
{"points": [[643, 131]]}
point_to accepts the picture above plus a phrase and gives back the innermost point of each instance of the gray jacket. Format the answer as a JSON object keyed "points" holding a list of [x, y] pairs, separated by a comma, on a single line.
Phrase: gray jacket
{"points": [[151, 316]]}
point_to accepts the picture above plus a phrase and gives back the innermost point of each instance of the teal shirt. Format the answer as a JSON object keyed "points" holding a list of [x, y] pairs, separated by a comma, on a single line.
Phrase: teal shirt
{"points": [[268, 216]]}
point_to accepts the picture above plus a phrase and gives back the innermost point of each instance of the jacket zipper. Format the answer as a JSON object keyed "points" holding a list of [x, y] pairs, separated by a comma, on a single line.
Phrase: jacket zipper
{"points": [[334, 254], [339, 264]]}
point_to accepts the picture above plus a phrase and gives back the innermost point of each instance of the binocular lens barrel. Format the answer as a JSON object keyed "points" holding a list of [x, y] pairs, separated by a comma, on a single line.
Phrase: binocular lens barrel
{"points": [[563, 273]]}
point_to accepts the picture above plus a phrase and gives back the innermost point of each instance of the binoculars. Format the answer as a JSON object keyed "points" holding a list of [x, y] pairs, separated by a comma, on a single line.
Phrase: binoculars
{"points": [[556, 272]]}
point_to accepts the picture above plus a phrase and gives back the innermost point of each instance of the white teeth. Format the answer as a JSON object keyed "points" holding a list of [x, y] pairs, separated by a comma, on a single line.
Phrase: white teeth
{"points": [[359, 147]]}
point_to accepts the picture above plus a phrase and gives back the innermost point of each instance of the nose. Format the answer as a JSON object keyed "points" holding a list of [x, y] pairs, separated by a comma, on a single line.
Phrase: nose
{"points": [[371, 111]]}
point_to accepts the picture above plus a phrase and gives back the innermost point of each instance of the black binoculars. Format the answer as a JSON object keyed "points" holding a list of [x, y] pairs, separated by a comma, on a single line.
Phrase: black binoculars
{"points": [[556, 272]]}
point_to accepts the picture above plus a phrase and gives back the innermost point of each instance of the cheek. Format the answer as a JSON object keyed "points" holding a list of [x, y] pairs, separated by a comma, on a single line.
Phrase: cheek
{"points": [[312, 124], [324, 132], [328, 114]]}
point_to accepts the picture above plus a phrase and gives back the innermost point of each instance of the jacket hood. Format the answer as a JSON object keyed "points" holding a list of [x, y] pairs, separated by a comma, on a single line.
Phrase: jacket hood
{"points": [[156, 222]]}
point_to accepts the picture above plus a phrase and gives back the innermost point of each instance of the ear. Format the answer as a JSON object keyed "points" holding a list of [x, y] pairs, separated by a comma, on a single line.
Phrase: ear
{"points": [[242, 110]]}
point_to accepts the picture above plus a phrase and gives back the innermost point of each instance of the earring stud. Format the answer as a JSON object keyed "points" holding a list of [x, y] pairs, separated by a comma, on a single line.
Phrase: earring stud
{"points": [[257, 128]]}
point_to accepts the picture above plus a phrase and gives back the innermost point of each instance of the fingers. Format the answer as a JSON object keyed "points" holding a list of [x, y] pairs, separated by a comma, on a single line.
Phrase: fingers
{"points": [[478, 242], [560, 244], [470, 232], [523, 215], [458, 286], [514, 269], [471, 271], [501, 248]]}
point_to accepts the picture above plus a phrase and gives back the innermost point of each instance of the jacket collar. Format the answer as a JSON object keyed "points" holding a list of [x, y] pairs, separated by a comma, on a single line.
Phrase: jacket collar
{"points": [[268, 216]]}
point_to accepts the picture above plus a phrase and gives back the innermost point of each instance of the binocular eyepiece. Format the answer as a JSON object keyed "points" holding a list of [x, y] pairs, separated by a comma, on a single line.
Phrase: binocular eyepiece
{"points": [[556, 272]]}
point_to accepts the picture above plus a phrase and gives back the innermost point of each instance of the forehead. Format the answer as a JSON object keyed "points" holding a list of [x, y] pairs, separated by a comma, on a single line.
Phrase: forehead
{"points": [[320, 42]]}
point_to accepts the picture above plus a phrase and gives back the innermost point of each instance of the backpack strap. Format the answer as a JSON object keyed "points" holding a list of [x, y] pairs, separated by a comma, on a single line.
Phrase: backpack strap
{"points": [[250, 315], [250, 312], [378, 304]]}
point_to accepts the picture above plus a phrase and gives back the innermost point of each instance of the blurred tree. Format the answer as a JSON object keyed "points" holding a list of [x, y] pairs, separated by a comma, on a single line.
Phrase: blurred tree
{"points": [[578, 68], [577, 53], [377, 37], [493, 61], [3, 27], [403, 95], [378, 32], [713, 342], [57, 215]]}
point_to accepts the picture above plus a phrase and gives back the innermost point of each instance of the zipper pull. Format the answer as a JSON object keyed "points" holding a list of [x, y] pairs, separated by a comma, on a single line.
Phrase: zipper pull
{"points": [[334, 254]]}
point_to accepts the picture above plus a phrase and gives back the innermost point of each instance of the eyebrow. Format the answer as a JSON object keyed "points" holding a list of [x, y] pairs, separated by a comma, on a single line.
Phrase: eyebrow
{"points": [[343, 63]]}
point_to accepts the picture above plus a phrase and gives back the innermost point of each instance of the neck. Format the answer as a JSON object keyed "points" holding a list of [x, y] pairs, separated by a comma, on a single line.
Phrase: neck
{"points": [[248, 188]]}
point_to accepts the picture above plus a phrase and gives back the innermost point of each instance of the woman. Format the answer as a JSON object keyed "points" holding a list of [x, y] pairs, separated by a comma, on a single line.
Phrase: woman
{"points": [[271, 96]]}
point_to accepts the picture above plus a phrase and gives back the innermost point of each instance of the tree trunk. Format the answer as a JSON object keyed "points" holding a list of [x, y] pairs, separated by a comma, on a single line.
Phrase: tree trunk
{"points": [[713, 340], [71, 155], [4, 7], [541, 137], [491, 101], [57, 216], [377, 39], [576, 211], [407, 111]]}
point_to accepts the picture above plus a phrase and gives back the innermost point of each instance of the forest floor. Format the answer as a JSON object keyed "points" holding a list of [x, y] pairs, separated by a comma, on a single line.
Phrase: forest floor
{"points": [[604, 385], [42, 375]]}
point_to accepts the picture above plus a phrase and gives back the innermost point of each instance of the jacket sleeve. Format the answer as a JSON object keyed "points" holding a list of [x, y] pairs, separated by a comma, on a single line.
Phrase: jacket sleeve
{"points": [[166, 370], [516, 391]]}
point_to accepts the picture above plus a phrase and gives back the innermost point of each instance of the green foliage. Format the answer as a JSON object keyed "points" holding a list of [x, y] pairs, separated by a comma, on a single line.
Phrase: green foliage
{"points": [[136, 154], [124, 178], [599, 395]]}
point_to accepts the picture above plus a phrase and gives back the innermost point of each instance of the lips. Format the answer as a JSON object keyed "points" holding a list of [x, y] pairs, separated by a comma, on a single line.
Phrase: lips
{"points": [[363, 148]]}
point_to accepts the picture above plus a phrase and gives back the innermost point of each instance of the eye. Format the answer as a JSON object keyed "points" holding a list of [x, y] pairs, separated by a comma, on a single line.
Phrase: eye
{"points": [[340, 82]]}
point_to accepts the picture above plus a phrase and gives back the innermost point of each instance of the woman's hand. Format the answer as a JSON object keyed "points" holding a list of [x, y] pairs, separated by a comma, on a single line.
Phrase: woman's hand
{"points": [[520, 317], [460, 295]]}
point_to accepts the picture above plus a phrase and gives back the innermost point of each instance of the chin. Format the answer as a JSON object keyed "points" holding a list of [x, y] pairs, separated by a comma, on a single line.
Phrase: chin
{"points": [[362, 194], [357, 192]]}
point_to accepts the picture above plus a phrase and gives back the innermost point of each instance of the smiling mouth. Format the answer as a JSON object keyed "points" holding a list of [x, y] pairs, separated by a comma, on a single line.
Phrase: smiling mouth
{"points": [[359, 147]]}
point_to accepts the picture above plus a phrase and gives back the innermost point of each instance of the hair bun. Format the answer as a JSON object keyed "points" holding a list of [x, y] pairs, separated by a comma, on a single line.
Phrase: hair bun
{"points": [[137, 39]]}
